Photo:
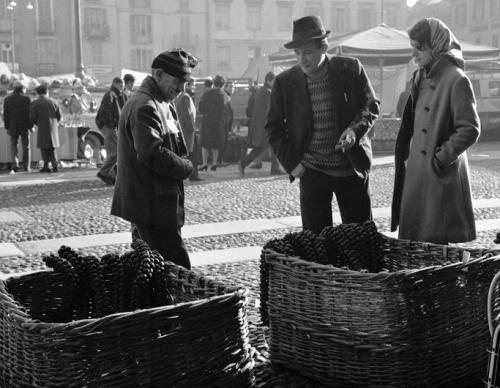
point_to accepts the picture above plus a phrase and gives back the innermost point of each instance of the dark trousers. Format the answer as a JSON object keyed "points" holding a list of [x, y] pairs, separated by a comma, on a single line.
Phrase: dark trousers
{"points": [[49, 155], [255, 152], [25, 143], [166, 241], [108, 168], [316, 194]]}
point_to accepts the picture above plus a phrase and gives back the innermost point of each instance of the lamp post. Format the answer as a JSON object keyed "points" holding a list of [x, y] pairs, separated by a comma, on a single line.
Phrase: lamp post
{"points": [[10, 7], [80, 68]]}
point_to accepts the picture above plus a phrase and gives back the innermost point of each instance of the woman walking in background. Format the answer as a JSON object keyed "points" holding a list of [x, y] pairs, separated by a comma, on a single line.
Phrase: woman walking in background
{"points": [[432, 199], [213, 123]]}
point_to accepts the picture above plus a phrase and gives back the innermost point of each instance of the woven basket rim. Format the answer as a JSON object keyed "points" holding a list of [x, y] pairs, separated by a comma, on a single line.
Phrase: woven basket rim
{"points": [[313, 266], [17, 312]]}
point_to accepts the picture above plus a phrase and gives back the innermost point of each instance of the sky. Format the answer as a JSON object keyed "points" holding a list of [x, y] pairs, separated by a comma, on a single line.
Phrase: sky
{"points": [[410, 2]]}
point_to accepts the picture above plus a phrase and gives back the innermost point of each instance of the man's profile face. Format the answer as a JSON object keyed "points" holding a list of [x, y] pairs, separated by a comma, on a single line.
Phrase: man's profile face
{"points": [[170, 86], [118, 85], [310, 57], [129, 85]]}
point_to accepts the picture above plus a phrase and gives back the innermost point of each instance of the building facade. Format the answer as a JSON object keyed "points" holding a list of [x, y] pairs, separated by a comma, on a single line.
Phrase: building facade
{"points": [[474, 21], [227, 35]]}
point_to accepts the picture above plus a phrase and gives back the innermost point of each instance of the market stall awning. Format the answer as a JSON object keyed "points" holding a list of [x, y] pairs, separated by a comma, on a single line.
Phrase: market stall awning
{"points": [[381, 44]]}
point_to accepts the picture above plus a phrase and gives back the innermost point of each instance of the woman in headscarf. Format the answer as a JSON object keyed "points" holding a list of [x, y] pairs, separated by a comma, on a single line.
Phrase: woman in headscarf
{"points": [[432, 198]]}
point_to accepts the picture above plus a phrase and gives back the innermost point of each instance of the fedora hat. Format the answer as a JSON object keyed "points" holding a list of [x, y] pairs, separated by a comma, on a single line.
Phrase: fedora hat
{"points": [[306, 29]]}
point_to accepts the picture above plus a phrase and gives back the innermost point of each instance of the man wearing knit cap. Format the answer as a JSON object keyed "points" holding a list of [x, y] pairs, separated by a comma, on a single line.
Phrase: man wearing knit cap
{"points": [[152, 158], [320, 113]]}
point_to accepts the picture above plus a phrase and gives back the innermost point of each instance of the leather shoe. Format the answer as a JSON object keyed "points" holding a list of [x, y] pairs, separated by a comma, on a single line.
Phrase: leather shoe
{"points": [[105, 179], [255, 166], [45, 169], [241, 168], [195, 179], [279, 172], [203, 168]]}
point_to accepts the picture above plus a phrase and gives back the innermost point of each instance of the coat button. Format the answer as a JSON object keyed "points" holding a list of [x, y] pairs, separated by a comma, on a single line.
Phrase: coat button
{"points": [[426, 109], [423, 152], [424, 130]]}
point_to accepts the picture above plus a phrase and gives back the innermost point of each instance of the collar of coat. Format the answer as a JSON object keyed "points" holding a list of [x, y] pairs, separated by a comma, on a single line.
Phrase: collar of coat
{"points": [[149, 86], [336, 77]]}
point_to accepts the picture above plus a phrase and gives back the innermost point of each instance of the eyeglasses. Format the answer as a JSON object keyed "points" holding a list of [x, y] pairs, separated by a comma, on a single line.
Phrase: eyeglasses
{"points": [[190, 58]]}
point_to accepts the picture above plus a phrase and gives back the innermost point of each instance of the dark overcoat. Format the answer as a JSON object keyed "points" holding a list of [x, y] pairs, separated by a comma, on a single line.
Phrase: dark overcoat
{"points": [[149, 188], [290, 118], [16, 109], [214, 121], [45, 114], [257, 132], [432, 198]]}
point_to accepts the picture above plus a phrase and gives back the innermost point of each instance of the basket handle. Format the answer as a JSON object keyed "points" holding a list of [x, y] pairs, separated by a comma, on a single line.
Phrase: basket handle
{"points": [[490, 297]]}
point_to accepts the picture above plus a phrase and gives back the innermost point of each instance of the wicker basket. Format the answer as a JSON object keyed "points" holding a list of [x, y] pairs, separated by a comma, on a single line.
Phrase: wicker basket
{"points": [[200, 342], [421, 322]]}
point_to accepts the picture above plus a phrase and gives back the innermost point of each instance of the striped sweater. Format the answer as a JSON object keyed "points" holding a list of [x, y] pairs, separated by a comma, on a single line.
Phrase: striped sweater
{"points": [[321, 154]]}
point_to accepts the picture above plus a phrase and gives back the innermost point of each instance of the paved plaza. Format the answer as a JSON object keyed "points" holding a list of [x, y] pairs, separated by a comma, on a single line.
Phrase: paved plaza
{"points": [[228, 220]]}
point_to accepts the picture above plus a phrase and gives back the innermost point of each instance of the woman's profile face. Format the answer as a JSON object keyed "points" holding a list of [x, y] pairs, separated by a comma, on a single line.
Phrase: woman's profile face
{"points": [[422, 54]]}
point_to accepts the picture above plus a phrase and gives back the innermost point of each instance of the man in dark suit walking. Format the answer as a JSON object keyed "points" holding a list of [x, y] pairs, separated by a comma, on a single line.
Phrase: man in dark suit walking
{"points": [[16, 108], [320, 113]]}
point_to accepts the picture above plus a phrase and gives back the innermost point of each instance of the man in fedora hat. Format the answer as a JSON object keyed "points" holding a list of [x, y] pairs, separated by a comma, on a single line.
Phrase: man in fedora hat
{"points": [[152, 158], [320, 113]]}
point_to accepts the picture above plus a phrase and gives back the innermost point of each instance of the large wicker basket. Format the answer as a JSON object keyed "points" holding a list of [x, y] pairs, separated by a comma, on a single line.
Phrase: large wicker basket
{"points": [[420, 322], [200, 342]]}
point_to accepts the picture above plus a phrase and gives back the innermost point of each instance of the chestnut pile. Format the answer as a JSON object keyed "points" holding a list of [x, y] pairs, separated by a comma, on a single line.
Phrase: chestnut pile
{"points": [[138, 279]]}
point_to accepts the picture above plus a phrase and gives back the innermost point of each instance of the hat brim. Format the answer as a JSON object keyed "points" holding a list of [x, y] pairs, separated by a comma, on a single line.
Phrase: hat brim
{"points": [[293, 44]]}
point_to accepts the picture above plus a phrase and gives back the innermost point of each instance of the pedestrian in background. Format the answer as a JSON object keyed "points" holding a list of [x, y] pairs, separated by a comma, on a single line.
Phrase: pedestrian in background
{"points": [[252, 89], [45, 114], [152, 163], [186, 111], [320, 113], [432, 199], [16, 108], [213, 124], [129, 81], [107, 120], [257, 139]]}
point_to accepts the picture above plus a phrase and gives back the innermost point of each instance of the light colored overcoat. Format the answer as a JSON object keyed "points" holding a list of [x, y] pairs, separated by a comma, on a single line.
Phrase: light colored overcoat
{"points": [[432, 196]]}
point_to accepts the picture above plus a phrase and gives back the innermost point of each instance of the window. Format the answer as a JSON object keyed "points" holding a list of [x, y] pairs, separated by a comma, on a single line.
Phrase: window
{"points": [[47, 52], [340, 20], [477, 41], [478, 10], [391, 15], [254, 52], [253, 16], [494, 40], [460, 14], [222, 16], [184, 5], [140, 3], [223, 57], [494, 8], [285, 17], [95, 24], [494, 88], [313, 8], [140, 28], [366, 16], [96, 53], [476, 87], [141, 59], [44, 16]]}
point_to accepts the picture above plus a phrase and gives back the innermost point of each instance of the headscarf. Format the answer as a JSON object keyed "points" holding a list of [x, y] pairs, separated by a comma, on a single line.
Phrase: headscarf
{"points": [[444, 43], [444, 46]]}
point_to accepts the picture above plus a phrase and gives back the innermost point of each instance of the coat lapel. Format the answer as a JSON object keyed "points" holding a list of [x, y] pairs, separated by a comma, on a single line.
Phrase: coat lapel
{"points": [[299, 85], [337, 87]]}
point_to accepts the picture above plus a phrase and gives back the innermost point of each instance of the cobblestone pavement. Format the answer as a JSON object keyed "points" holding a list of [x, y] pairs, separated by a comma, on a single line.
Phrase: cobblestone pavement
{"points": [[82, 207]]}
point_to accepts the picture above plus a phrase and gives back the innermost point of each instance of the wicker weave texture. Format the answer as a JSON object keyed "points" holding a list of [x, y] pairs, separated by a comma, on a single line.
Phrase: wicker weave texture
{"points": [[420, 322], [200, 342]]}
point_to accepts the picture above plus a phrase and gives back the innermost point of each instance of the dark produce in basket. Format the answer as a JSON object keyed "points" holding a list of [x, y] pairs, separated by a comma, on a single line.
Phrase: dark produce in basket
{"points": [[138, 279]]}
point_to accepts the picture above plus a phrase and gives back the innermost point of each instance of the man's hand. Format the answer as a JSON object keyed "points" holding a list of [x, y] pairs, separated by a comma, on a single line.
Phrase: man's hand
{"points": [[298, 171], [347, 140]]}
